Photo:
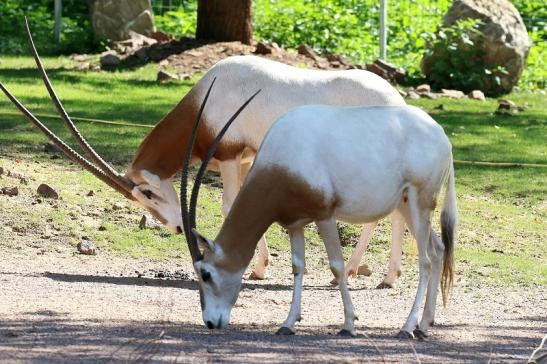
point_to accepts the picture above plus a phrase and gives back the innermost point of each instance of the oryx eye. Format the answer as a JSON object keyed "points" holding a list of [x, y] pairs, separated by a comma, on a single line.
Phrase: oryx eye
{"points": [[205, 276], [147, 193]]}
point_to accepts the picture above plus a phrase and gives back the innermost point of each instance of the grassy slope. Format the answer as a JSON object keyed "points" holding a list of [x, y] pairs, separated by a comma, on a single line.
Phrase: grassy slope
{"points": [[502, 210]]}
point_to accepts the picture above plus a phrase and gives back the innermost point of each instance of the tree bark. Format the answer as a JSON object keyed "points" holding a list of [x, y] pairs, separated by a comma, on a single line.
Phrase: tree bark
{"points": [[225, 20]]}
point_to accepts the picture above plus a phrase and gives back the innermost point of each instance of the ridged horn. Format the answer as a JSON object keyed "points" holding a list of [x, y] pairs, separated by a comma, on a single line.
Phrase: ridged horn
{"points": [[101, 164], [71, 153], [208, 156], [190, 239]]}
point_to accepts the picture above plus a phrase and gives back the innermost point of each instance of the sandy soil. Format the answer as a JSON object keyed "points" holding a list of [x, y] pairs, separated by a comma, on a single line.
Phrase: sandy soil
{"points": [[58, 306]]}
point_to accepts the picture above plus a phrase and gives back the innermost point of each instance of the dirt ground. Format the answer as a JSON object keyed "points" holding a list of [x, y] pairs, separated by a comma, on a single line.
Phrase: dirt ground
{"points": [[60, 306]]}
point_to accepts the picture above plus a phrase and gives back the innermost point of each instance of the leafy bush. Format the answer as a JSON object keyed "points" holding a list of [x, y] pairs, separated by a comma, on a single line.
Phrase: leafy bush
{"points": [[180, 22], [454, 59], [76, 34]]}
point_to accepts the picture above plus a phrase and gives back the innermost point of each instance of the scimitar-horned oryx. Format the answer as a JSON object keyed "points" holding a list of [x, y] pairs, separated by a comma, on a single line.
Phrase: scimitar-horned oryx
{"points": [[321, 164]]}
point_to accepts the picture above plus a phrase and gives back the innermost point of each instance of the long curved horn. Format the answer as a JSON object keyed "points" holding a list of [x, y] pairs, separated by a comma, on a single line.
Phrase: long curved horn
{"points": [[190, 239], [71, 153], [208, 156], [105, 167]]}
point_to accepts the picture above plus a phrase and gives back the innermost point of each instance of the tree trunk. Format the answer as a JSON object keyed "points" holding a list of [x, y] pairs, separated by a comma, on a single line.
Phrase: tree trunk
{"points": [[225, 20]]}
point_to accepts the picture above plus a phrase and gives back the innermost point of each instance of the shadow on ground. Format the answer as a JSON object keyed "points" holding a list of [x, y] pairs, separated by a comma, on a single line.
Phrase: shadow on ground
{"points": [[46, 336]]}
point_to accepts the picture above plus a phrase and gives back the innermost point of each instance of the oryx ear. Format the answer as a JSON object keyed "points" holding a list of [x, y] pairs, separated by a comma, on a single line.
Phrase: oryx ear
{"points": [[203, 242], [150, 178]]}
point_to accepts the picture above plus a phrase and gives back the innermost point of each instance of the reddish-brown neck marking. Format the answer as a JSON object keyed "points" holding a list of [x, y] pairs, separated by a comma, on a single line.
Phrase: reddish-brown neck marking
{"points": [[269, 195], [162, 151]]}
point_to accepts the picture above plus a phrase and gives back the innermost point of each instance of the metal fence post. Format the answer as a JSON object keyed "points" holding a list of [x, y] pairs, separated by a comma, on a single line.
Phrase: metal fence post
{"points": [[58, 16], [383, 29]]}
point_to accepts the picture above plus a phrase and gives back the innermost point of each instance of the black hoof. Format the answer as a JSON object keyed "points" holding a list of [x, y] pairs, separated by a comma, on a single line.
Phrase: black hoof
{"points": [[255, 277], [384, 285], [284, 331], [419, 334], [346, 333], [404, 335]]}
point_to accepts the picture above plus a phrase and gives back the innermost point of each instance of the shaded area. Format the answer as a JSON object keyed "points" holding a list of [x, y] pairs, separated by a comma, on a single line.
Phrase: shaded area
{"points": [[151, 282], [55, 338]]}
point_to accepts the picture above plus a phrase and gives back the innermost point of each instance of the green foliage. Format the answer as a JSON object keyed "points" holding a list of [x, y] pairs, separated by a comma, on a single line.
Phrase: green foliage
{"points": [[534, 14], [328, 26], [76, 34], [180, 22], [454, 58]]}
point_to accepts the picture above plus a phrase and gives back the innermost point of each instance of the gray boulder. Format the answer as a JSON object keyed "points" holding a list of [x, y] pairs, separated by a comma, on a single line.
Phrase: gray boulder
{"points": [[506, 42], [115, 19]]}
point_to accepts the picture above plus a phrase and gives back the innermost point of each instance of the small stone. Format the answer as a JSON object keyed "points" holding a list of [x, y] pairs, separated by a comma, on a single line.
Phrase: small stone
{"points": [[477, 95], [143, 222], [164, 76], [402, 93], [86, 247], [102, 228], [423, 88], [429, 95], [110, 60], [85, 66], [307, 51], [504, 104], [47, 191], [10, 191], [264, 48], [1, 171], [413, 95], [80, 57], [142, 54], [337, 58], [90, 193], [117, 206], [364, 270], [453, 94]]}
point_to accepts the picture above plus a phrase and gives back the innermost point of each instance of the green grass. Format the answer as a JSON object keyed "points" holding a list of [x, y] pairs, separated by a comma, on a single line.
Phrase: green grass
{"points": [[503, 211]]}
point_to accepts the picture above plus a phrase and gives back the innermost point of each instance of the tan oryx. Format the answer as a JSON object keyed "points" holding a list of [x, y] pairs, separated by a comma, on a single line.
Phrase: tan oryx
{"points": [[148, 179], [321, 164]]}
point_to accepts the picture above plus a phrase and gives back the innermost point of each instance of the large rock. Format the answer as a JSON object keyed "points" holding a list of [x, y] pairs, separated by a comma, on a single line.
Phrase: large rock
{"points": [[114, 19], [506, 42]]}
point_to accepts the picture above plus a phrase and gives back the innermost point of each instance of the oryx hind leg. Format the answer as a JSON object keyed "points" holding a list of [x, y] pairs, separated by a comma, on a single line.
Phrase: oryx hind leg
{"points": [[397, 234], [418, 219], [435, 251], [353, 263], [298, 269], [329, 234]]}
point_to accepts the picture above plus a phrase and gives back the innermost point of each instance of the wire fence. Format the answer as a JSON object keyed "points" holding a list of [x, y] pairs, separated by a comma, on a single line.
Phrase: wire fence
{"points": [[160, 7]]}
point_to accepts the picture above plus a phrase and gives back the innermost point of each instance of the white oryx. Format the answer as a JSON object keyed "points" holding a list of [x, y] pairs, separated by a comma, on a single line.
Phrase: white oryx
{"points": [[322, 164], [148, 180]]}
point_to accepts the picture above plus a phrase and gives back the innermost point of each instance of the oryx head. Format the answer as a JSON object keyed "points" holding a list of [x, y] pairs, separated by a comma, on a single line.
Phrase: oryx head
{"points": [[218, 285], [141, 187]]}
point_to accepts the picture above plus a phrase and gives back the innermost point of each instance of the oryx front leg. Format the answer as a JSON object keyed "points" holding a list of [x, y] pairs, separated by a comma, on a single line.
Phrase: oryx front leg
{"points": [[419, 221], [394, 268], [298, 268], [230, 172], [331, 239]]}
